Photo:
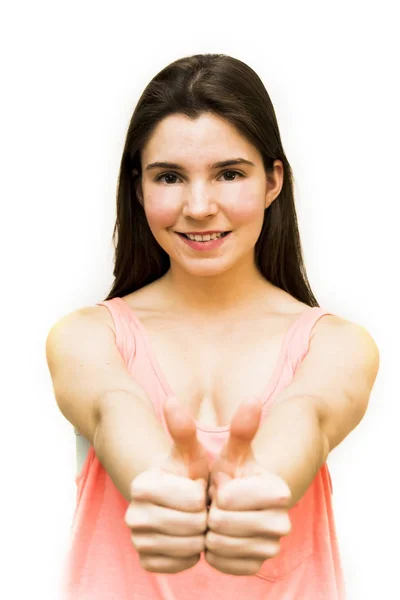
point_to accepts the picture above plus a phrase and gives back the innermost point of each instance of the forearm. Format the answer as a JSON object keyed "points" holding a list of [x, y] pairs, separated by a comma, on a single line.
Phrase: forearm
{"points": [[129, 439], [290, 443]]}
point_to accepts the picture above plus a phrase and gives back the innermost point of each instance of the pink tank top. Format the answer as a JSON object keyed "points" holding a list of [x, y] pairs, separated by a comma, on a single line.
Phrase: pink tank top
{"points": [[102, 563]]}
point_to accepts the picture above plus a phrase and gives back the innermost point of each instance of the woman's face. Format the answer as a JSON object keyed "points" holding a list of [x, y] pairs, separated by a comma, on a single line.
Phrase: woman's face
{"points": [[195, 196]]}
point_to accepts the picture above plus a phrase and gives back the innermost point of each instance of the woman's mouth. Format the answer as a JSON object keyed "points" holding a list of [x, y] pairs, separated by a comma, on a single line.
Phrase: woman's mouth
{"points": [[204, 242]]}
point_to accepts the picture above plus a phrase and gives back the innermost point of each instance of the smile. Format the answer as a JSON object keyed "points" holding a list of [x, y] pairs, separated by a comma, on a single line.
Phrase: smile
{"points": [[202, 243]]}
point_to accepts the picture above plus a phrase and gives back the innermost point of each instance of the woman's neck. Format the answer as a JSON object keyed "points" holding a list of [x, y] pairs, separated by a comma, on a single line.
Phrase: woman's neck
{"points": [[229, 293]]}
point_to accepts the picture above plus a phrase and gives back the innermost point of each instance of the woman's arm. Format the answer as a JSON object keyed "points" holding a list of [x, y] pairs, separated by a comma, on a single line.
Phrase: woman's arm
{"points": [[324, 402], [291, 444], [96, 393], [128, 439]]}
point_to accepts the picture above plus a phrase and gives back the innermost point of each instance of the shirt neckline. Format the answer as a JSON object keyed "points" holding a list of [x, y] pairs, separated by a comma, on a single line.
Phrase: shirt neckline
{"points": [[265, 394]]}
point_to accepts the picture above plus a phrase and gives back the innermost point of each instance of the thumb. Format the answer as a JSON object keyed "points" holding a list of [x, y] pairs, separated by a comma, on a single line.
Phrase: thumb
{"points": [[182, 429], [244, 426]]}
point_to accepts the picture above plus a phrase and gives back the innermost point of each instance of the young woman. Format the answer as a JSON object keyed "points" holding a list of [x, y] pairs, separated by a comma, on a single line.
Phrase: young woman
{"points": [[209, 384]]}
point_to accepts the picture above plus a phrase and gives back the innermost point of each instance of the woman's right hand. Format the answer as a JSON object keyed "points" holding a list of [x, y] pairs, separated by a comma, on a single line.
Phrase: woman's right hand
{"points": [[167, 514]]}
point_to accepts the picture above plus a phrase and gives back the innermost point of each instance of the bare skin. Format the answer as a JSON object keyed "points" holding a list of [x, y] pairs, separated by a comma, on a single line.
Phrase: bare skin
{"points": [[214, 363]]}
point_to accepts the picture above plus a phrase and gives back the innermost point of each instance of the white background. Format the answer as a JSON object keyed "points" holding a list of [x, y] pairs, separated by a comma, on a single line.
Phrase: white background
{"points": [[72, 73]]}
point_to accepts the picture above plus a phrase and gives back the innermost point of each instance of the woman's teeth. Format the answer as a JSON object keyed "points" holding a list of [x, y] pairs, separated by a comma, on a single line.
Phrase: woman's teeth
{"points": [[204, 238]]}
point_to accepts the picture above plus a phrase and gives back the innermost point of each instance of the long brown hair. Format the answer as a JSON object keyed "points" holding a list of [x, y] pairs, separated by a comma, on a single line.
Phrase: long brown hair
{"points": [[227, 87]]}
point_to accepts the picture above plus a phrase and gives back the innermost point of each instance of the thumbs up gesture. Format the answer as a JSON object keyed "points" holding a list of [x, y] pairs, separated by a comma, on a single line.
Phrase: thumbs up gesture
{"points": [[249, 508], [167, 514]]}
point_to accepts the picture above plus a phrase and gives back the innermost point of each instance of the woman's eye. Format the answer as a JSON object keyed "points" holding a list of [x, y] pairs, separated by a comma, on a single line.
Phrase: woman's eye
{"points": [[160, 177], [234, 172]]}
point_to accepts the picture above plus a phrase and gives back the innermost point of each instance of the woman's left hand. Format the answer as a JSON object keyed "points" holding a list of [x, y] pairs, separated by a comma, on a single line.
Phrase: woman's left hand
{"points": [[249, 505]]}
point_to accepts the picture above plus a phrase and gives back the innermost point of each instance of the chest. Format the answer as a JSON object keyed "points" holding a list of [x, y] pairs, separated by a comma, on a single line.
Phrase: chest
{"points": [[212, 370]]}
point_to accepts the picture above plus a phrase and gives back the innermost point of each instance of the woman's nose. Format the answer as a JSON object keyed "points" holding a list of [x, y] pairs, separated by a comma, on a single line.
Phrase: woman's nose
{"points": [[199, 203]]}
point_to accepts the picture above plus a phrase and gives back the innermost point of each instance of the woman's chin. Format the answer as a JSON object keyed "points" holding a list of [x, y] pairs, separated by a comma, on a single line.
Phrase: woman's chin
{"points": [[204, 268]]}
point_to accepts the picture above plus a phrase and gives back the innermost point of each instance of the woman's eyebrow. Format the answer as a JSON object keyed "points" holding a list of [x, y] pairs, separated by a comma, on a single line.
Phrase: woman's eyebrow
{"points": [[223, 163]]}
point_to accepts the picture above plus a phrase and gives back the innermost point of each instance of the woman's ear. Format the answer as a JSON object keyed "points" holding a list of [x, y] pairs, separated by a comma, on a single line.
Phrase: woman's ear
{"points": [[137, 182], [274, 183]]}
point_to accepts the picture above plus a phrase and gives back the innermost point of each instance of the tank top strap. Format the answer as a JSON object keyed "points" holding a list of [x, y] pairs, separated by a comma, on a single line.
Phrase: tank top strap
{"points": [[123, 326], [125, 342], [301, 334]]}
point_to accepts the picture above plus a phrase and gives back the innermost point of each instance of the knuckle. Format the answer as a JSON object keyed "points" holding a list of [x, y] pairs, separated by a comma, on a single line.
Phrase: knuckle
{"points": [[141, 543], [145, 562], [132, 485], [186, 547], [191, 561], [249, 566], [127, 518], [130, 516], [276, 523], [203, 522], [212, 541], [272, 549], [138, 488], [137, 519], [196, 545], [214, 518], [135, 483], [286, 525], [163, 564], [255, 567], [200, 501], [199, 521]]}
